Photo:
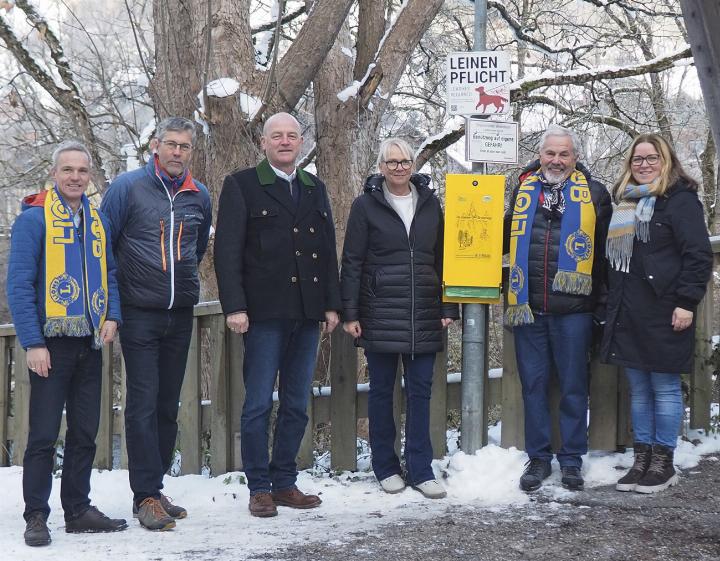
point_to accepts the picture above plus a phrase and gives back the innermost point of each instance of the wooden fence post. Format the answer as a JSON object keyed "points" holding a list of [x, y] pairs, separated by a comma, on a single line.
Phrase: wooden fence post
{"points": [[513, 413], [235, 356], [104, 438], [21, 404], [624, 425], [604, 398], [121, 420], [701, 376], [438, 402], [220, 447], [305, 457], [4, 398], [343, 409], [189, 417]]}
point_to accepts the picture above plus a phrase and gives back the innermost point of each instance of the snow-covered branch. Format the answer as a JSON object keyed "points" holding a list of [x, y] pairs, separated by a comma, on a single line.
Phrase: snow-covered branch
{"points": [[521, 88]]}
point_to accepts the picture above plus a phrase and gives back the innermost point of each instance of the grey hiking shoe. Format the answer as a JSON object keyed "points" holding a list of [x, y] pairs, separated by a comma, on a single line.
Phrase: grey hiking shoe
{"points": [[175, 511], [152, 515]]}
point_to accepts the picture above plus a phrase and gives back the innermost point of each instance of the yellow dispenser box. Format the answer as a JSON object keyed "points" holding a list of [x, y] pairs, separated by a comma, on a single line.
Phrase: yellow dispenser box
{"points": [[472, 266]]}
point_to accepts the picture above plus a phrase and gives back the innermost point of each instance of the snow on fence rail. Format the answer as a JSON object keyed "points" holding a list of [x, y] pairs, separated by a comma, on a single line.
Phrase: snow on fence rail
{"points": [[218, 417]]}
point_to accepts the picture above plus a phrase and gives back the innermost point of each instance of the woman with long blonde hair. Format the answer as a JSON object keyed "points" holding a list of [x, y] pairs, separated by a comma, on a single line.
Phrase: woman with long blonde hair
{"points": [[660, 262]]}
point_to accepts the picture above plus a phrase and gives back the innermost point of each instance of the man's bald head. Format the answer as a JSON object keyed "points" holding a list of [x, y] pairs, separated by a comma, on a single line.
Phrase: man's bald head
{"points": [[281, 141]]}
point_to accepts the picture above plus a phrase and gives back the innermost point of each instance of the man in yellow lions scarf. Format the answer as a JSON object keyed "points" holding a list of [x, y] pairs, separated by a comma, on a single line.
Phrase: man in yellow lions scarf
{"points": [[65, 304], [555, 232]]}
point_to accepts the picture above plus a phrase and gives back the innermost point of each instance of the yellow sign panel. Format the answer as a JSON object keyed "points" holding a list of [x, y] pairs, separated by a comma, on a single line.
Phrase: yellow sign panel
{"points": [[472, 267]]}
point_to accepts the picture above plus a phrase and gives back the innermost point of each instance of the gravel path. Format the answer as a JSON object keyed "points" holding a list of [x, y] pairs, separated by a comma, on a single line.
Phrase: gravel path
{"points": [[599, 524]]}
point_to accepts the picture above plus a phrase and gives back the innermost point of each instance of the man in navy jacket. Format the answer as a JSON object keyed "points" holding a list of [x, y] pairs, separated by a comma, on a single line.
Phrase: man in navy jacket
{"points": [[63, 324], [160, 220]]}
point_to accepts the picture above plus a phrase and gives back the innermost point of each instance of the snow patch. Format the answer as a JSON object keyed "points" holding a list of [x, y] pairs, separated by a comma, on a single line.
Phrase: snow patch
{"points": [[224, 87], [487, 480]]}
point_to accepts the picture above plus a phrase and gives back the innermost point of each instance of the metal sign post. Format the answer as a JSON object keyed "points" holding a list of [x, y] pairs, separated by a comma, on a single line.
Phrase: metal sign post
{"points": [[473, 428]]}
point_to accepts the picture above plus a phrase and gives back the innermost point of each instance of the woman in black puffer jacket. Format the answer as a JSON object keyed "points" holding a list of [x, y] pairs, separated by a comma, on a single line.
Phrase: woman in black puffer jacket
{"points": [[392, 304]]}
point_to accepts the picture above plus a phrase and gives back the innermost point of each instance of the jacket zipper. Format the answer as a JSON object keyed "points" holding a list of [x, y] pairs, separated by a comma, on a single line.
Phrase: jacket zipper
{"points": [[412, 300], [162, 244], [545, 274], [171, 198], [180, 229], [412, 270]]}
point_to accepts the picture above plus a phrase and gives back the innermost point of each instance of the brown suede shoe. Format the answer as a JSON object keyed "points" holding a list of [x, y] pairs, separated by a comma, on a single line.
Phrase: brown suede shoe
{"points": [[262, 505], [295, 498]]}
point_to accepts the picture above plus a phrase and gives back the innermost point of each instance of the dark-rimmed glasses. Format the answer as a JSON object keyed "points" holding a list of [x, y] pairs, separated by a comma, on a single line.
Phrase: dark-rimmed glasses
{"points": [[651, 160], [393, 164]]}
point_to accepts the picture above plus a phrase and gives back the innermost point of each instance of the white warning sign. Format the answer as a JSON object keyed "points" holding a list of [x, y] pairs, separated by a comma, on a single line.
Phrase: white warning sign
{"points": [[477, 83]]}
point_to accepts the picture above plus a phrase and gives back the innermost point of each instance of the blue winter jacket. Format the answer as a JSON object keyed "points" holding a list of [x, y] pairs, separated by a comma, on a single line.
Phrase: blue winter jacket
{"points": [[158, 238], [26, 273]]}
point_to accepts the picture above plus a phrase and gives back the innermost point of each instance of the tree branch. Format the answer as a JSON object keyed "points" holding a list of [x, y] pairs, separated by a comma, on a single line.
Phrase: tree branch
{"points": [[521, 88], [69, 96], [284, 20], [302, 60]]}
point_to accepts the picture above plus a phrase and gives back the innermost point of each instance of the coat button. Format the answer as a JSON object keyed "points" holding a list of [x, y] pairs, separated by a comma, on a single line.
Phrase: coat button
{"points": [[651, 277], [298, 253], [295, 230], [314, 255], [315, 279], [312, 230], [264, 212], [325, 214], [294, 279]]}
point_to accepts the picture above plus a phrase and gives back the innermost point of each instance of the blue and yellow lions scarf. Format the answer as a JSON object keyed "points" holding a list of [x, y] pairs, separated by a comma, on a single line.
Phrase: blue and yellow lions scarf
{"points": [[72, 297], [576, 252]]}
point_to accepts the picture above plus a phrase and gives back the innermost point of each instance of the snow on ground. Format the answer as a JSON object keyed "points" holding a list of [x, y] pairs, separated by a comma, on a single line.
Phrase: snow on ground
{"points": [[220, 528]]}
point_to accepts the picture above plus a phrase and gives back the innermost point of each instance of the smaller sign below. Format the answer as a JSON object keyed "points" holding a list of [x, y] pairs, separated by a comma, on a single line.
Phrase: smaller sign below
{"points": [[491, 141]]}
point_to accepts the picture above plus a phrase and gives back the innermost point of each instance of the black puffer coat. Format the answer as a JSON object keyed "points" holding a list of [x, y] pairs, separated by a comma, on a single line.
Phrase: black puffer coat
{"points": [[390, 281], [544, 249], [670, 270]]}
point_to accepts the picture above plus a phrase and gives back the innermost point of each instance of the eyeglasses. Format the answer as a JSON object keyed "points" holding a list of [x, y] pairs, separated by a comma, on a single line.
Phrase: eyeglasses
{"points": [[651, 160], [174, 146], [393, 164]]}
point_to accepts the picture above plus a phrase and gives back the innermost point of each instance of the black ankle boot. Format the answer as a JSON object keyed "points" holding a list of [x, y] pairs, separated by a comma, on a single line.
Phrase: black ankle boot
{"points": [[661, 473], [629, 481], [36, 530]]}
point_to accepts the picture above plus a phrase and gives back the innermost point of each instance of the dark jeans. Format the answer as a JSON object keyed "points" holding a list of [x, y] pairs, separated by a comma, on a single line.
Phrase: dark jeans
{"points": [[560, 343], [155, 346], [418, 374], [290, 348], [74, 382]]}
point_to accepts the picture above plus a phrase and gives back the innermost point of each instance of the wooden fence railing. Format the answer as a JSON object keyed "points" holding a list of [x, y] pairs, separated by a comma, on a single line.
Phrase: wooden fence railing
{"points": [[212, 426]]}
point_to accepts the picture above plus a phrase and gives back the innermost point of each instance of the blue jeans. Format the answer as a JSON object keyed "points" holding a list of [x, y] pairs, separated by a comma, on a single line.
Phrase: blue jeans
{"points": [[656, 406], [74, 382], [155, 345], [290, 348], [559, 343], [418, 374]]}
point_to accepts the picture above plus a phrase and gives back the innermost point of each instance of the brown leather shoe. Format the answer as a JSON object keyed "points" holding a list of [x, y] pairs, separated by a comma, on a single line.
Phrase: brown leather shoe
{"points": [[262, 505], [295, 498]]}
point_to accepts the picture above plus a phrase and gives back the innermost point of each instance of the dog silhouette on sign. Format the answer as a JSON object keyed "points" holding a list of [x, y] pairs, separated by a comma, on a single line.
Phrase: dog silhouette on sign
{"points": [[485, 100]]}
